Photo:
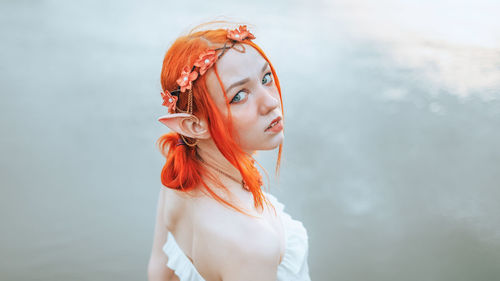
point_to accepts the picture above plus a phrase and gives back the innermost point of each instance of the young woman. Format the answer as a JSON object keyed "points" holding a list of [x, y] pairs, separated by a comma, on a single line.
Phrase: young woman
{"points": [[214, 222]]}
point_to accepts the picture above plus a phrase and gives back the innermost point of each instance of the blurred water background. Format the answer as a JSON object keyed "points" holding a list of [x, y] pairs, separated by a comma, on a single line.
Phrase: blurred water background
{"points": [[391, 154]]}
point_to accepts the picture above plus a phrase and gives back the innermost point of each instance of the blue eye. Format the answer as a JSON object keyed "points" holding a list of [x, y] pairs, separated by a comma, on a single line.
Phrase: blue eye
{"points": [[238, 97], [268, 80]]}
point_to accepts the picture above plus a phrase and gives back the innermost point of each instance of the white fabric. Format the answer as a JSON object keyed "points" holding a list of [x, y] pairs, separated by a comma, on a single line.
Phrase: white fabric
{"points": [[293, 267]]}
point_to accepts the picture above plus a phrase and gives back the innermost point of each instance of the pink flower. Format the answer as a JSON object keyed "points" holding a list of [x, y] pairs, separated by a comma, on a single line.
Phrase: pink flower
{"points": [[206, 60], [240, 34], [187, 78], [169, 101]]}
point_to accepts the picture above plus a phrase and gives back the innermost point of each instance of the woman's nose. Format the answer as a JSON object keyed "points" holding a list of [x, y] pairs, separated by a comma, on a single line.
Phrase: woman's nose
{"points": [[269, 99]]}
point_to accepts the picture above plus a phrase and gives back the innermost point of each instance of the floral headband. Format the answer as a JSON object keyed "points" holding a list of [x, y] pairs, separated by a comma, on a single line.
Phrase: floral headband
{"points": [[206, 60]]}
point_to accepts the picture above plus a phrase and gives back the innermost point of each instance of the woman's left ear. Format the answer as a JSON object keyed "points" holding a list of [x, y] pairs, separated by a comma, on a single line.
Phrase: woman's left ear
{"points": [[186, 124]]}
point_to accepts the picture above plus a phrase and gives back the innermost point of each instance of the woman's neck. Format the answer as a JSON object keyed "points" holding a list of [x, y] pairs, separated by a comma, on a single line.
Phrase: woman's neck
{"points": [[210, 154]]}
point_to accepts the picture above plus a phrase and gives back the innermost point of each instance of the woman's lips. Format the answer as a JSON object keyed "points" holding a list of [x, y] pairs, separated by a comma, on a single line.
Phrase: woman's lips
{"points": [[276, 125]]}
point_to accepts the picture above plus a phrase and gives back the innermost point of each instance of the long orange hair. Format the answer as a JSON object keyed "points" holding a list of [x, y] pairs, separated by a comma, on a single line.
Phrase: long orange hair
{"points": [[182, 170]]}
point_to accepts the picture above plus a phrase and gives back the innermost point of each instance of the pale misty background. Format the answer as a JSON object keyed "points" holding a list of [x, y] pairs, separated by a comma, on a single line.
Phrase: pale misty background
{"points": [[391, 153]]}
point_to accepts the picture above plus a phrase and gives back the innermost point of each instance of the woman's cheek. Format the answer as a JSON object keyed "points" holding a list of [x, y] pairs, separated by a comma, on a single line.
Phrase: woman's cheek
{"points": [[244, 129]]}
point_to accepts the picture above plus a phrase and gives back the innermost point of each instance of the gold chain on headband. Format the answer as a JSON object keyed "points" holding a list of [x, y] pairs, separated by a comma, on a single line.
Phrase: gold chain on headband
{"points": [[190, 111]]}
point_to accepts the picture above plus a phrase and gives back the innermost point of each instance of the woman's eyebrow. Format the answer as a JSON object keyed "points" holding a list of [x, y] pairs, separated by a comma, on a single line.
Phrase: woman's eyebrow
{"points": [[241, 82], [265, 66], [237, 84]]}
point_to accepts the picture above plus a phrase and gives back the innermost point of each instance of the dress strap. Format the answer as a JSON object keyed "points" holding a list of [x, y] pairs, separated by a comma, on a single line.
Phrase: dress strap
{"points": [[179, 262], [294, 265]]}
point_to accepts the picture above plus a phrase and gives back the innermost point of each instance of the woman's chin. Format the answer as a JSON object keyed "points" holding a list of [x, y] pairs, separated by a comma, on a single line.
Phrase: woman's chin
{"points": [[266, 144], [273, 145]]}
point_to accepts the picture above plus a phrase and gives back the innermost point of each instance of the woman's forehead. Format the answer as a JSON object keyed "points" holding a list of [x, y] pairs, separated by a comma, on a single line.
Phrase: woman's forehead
{"points": [[239, 62]]}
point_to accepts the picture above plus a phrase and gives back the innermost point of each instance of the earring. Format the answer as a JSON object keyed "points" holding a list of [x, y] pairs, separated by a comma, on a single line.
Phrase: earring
{"points": [[189, 144]]}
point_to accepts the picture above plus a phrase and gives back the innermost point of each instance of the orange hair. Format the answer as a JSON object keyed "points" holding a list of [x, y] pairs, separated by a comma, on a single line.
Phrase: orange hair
{"points": [[182, 170]]}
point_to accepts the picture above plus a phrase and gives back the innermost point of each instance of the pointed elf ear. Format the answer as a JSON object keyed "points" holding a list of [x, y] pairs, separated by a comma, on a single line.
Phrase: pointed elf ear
{"points": [[174, 120], [185, 124]]}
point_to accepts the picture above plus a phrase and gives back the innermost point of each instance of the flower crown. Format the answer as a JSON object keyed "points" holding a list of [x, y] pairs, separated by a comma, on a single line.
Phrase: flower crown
{"points": [[206, 60]]}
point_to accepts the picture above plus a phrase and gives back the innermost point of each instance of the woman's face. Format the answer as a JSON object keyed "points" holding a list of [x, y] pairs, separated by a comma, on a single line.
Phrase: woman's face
{"points": [[253, 97]]}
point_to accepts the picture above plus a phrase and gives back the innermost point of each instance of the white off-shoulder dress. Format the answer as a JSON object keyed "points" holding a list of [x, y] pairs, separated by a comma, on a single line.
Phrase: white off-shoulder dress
{"points": [[293, 266]]}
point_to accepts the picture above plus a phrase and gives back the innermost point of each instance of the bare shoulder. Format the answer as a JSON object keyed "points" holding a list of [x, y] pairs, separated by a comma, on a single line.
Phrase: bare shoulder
{"points": [[228, 245], [156, 266], [174, 204]]}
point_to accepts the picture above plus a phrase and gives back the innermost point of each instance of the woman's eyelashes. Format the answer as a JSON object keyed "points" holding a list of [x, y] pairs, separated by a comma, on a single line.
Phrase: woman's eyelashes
{"points": [[237, 97], [268, 78]]}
